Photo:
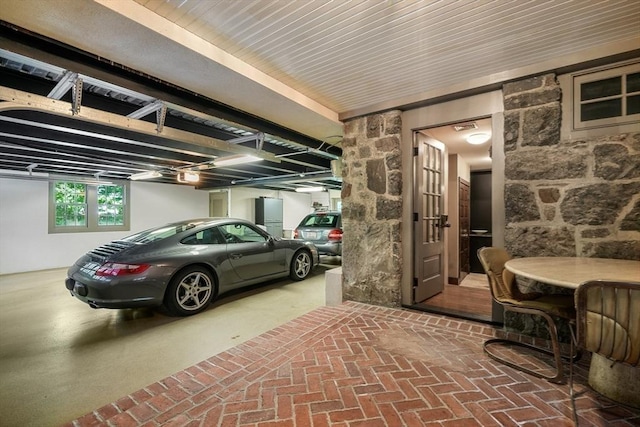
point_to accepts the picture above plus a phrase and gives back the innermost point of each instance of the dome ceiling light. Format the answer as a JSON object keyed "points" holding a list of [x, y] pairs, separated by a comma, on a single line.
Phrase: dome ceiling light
{"points": [[478, 138]]}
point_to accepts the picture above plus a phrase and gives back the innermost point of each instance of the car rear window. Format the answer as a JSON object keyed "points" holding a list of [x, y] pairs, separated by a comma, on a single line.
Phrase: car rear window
{"points": [[322, 220], [159, 233]]}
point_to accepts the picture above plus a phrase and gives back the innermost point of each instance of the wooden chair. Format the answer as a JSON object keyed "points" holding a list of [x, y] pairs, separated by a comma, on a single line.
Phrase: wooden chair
{"points": [[505, 292], [608, 325]]}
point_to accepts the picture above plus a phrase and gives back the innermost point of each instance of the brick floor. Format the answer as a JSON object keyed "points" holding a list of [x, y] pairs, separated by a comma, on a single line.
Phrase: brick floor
{"points": [[358, 365]]}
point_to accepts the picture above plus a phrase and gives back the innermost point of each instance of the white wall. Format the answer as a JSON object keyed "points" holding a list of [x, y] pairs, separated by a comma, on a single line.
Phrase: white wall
{"points": [[294, 207], [26, 245]]}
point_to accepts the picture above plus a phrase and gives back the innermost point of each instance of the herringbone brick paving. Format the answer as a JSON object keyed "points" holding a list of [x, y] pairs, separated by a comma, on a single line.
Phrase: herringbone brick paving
{"points": [[358, 365]]}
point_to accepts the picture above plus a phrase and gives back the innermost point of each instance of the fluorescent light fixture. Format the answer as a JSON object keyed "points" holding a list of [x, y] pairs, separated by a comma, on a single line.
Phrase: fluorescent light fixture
{"points": [[309, 189], [478, 138], [145, 175], [236, 159], [187, 176]]}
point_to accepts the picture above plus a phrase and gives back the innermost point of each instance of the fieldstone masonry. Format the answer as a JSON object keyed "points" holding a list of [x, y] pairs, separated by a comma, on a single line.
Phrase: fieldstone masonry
{"points": [[372, 209], [565, 198]]}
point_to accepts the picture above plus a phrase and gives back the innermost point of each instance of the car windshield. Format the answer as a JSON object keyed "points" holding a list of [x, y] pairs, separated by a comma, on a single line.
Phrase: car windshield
{"points": [[159, 233], [321, 220]]}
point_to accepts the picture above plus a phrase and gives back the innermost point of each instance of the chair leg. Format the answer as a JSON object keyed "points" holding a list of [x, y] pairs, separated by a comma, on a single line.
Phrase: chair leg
{"points": [[558, 376], [572, 393]]}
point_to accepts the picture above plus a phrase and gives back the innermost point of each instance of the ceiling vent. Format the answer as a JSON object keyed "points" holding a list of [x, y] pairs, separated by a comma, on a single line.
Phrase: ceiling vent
{"points": [[465, 126]]}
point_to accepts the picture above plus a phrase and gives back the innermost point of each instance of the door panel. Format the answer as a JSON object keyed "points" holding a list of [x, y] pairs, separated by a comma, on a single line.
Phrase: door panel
{"points": [[465, 221], [429, 219], [251, 253]]}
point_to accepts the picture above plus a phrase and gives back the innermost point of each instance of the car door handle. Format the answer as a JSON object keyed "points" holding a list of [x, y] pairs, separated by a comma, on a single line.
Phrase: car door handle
{"points": [[235, 256]]}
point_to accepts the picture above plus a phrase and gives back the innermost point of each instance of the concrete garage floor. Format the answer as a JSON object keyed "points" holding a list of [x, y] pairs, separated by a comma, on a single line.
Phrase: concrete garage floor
{"points": [[60, 359]]}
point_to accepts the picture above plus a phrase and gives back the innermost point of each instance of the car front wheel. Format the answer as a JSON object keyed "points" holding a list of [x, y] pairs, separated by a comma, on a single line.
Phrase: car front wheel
{"points": [[189, 292], [301, 265]]}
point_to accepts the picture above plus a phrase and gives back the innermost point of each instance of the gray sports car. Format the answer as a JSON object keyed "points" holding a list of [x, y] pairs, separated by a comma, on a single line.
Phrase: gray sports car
{"points": [[184, 265]]}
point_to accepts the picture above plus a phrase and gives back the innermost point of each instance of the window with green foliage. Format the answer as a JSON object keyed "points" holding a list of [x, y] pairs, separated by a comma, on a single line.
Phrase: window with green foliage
{"points": [[110, 205], [71, 204], [78, 207]]}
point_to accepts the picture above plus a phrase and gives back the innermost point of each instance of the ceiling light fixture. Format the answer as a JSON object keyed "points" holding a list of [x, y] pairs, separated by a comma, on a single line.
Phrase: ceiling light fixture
{"points": [[236, 159], [145, 175], [188, 176], [309, 189], [478, 138]]}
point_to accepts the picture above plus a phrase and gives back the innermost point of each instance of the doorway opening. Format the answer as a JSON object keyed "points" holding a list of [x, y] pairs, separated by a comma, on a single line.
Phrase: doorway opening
{"points": [[219, 203], [447, 214]]}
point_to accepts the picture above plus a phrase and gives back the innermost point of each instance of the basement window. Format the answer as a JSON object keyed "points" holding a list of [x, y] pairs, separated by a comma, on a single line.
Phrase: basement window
{"points": [[609, 97], [81, 207]]}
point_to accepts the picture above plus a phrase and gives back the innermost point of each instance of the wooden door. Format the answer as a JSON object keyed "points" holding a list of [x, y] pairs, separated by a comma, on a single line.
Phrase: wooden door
{"points": [[464, 199], [429, 220]]}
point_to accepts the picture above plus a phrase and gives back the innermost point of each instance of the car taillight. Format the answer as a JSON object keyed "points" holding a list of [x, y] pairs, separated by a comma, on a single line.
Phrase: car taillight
{"points": [[335, 234], [115, 269], [296, 233]]}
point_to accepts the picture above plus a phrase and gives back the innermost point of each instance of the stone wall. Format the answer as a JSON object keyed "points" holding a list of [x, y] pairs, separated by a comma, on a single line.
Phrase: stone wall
{"points": [[566, 198], [372, 209]]}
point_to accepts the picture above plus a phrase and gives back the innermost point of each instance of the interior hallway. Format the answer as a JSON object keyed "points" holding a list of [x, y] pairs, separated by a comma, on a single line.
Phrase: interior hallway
{"points": [[271, 356]]}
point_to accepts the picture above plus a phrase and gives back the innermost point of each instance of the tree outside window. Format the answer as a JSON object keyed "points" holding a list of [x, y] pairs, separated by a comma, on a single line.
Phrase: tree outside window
{"points": [[110, 205], [71, 204], [79, 207]]}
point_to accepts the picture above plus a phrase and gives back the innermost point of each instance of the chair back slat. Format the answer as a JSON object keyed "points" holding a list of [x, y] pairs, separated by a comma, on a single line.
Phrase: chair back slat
{"points": [[608, 319], [502, 282], [493, 260]]}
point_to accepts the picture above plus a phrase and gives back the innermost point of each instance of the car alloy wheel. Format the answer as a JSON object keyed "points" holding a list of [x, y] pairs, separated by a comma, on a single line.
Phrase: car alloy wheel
{"points": [[190, 292], [301, 265]]}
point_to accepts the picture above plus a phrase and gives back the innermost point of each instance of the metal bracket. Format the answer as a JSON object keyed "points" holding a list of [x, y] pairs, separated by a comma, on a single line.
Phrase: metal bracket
{"points": [[146, 110], [76, 96], [161, 115], [258, 137], [65, 83], [159, 107]]}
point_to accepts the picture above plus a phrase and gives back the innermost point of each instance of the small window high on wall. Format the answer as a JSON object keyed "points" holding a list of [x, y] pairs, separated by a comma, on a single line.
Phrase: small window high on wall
{"points": [[608, 97]]}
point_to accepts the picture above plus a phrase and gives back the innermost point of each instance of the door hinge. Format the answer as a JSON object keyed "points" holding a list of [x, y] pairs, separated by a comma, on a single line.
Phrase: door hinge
{"points": [[415, 282], [415, 151], [415, 216]]}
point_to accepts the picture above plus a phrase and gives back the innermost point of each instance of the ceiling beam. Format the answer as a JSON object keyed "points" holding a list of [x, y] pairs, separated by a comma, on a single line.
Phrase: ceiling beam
{"points": [[20, 100], [23, 42]]}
